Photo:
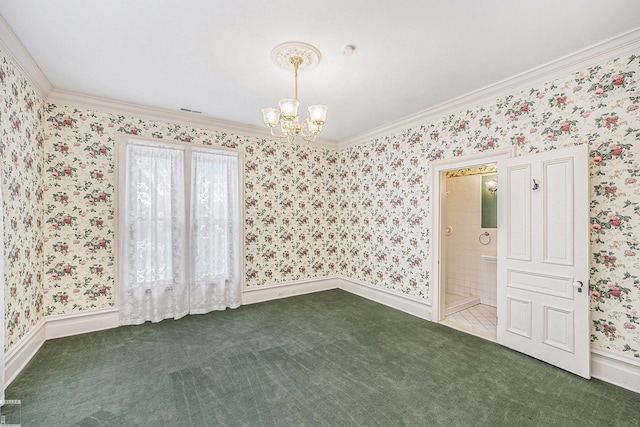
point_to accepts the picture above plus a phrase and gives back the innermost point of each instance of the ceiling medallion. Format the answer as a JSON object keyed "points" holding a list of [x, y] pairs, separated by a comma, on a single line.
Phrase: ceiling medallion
{"points": [[282, 54]]}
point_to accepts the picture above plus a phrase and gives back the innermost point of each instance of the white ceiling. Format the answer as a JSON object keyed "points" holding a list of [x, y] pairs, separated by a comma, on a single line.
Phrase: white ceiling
{"points": [[214, 55]]}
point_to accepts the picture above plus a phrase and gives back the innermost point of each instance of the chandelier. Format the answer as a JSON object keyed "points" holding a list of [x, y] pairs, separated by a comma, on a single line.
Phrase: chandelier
{"points": [[299, 56]]}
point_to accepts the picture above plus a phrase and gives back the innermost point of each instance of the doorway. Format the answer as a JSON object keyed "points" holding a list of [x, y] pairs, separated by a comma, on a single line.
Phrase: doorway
{"points": [[469, 248], [543, 252], [464, 289]]}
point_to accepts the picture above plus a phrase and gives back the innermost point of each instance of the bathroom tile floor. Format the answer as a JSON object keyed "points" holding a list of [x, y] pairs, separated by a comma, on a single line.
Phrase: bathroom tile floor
{"points": [[479, 318]]}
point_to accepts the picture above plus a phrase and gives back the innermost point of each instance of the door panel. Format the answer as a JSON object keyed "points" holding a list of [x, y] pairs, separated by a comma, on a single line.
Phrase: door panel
{"points": [[542, 283], [558, 212], [543, 250], [558, 328], [519, 316], [518, 212]]}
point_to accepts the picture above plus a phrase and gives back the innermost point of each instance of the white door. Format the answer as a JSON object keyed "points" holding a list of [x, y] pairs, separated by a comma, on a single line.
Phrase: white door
{"points": [[543, 257]]}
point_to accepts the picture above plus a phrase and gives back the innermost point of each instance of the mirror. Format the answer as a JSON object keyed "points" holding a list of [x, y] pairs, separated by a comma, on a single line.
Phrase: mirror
{"points": [[489, 201]]}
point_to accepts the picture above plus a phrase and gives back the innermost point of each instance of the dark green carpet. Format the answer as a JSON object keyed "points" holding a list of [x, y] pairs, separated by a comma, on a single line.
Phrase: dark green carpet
{"points": [[329, 358]]}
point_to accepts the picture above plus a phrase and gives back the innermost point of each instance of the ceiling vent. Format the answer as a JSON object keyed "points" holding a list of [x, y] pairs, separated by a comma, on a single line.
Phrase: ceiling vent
{"points": [[186, 110]]}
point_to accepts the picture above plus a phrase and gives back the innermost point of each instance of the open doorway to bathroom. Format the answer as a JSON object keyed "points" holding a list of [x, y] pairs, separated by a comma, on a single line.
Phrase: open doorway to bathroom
{"points": [[464, 245], [469, 248]]}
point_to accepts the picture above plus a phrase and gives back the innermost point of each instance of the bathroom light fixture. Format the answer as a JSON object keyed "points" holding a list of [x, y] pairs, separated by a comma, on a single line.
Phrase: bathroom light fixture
{"points": [[492, 186], [300, 56]]}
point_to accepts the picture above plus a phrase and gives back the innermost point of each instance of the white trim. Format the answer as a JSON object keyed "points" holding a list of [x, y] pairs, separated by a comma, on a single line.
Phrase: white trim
{"points": [[65, 325], [437, 193], [51, 327], [94, 103], [415, 306], [124, 140], [612, 48], [605, 365], [288, 289], [17, 358], [599, 53], [615, 369], [20, 57], [411, 305]]}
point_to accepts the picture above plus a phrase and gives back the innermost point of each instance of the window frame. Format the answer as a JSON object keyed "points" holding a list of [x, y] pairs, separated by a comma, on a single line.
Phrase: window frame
{"points": [[120, 159]]}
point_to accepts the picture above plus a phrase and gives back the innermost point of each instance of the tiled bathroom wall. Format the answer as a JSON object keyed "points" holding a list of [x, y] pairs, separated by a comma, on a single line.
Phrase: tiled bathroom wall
{"points": [[467, 272]]}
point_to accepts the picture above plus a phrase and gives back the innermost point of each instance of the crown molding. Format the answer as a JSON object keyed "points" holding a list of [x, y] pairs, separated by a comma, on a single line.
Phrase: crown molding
{"points": [[598, 53], [20, 57], [77, 100], [606, 50]]}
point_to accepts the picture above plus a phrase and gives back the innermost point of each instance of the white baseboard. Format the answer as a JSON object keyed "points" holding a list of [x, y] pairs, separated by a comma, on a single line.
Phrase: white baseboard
{"points": [[289, 289], [615, 369], [414, 306], [65, 325], [50, 327], [605, 365], [389, 298], [17, 358]]}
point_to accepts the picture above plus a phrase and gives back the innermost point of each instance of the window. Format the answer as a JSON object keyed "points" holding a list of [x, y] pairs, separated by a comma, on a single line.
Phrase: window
{"points": [[180, 231]]}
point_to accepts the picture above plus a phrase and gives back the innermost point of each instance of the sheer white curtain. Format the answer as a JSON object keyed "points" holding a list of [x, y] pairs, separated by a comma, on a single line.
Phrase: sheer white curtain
{"points": [[154, 274], [215, 233], [156, 265]]}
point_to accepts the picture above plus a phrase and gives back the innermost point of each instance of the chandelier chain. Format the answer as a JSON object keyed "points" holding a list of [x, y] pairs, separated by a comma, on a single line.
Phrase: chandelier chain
{"points": [[296, 61]]}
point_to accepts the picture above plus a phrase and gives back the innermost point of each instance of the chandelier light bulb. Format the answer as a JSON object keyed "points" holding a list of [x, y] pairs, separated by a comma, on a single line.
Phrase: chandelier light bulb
{"points": [[318, 113], [271, 116], [289, 108]]}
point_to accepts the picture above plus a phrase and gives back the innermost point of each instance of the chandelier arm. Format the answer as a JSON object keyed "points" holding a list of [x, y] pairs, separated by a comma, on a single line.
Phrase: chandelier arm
{"points": [[281, 136], [309, 137], [305, 135]]}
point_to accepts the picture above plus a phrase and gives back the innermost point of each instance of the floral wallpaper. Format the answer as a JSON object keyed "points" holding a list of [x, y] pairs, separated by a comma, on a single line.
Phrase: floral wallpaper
{"points": [[291, 212], [362, 212], [385, 187], [290, 215], [22, 163], [384, 204]]}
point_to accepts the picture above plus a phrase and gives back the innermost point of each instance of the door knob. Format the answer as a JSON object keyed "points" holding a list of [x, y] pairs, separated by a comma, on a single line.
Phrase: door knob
{"points": [[578, 284]]}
